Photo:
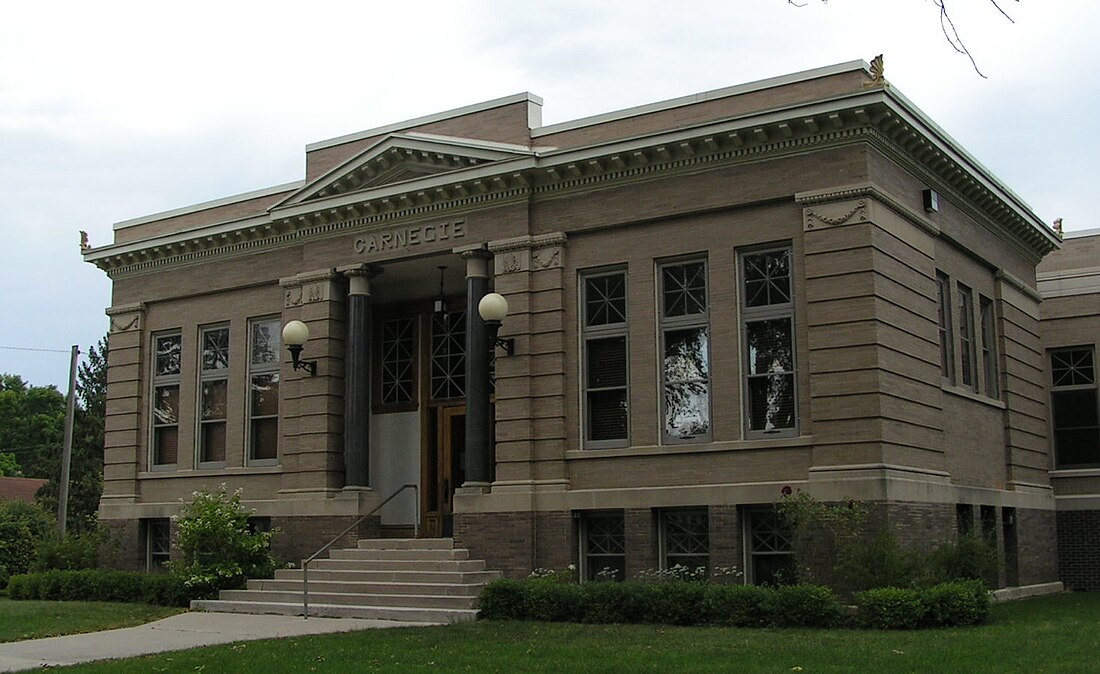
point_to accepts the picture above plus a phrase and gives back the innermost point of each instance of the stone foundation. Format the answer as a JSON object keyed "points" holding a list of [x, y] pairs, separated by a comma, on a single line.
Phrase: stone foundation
{"points": [[1039, 548], [125, 546], [300, 537], [1079, 549]]}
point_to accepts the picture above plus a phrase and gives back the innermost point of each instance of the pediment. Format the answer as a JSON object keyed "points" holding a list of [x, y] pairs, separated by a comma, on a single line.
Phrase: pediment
{"points": [[401, 158]]}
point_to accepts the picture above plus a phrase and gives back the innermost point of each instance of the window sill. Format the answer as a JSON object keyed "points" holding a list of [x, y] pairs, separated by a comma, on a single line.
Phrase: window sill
{"points": [[1075, 472], [202, 472], [971, 395], [791, 442]]}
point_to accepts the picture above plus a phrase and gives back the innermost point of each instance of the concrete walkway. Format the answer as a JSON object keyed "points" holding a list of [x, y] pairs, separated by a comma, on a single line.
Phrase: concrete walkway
{"points": [[176, 633]]}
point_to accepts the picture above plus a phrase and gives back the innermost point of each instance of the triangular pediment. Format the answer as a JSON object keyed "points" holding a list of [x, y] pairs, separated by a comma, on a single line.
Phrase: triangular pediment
{"points": [[402, 158]]}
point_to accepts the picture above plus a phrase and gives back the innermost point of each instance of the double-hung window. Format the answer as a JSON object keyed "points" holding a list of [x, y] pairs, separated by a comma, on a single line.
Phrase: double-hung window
{"points": [[164, 450], [943, 307], [767, 315], [967, 349], [685, 341], [264, 341], [604, 335], [989, 350], [1075, 407], [213, 393]]}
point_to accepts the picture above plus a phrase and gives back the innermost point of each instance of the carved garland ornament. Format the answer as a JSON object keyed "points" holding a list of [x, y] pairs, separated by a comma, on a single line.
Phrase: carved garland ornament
{"points": [[819, 214]]}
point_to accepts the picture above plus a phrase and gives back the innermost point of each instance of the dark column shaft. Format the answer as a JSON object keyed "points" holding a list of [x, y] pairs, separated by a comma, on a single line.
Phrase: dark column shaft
{"points": [[357, 386], [477, 372]]}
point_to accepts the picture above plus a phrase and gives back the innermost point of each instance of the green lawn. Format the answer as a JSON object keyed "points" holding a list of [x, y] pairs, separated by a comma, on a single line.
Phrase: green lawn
{"points": [[1050, 634], [36, 619]]}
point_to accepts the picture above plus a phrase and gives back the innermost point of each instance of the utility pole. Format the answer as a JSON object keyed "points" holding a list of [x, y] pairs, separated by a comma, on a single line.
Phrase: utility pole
{"points": [[67, 450]]}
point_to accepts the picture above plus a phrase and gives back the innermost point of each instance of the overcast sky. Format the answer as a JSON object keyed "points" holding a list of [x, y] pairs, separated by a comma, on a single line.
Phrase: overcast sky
{"points": [[113, 110]]}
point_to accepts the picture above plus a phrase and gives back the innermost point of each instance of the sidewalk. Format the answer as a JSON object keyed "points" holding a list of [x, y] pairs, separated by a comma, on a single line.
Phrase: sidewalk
{"points": [[178, 632]]}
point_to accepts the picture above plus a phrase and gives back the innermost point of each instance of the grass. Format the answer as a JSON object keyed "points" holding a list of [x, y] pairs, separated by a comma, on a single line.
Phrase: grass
{"points": [[37, 619], [1049, 634]]}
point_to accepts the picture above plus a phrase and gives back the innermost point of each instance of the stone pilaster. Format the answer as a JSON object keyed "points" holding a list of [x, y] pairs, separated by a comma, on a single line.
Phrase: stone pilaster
{"points": [[126, 373], [311, 450]]}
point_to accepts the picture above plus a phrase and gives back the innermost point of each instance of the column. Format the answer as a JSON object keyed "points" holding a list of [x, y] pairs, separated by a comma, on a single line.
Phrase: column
{"points": [[478, 452], [357, 379]]}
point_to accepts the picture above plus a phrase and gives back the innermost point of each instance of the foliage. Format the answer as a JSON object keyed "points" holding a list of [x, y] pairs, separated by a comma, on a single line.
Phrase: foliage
{"points": [[23, 526], [879, 562], [675, 602], [968, 558], [943, 605], [677, 572], [86, 461], [825, 536], [75, 551], [32, 419], [9, 467], [217, 548], [100, 585]]}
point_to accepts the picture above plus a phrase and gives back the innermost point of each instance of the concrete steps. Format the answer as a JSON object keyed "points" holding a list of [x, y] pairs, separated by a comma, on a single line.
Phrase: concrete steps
{"points": [[414, 580]]}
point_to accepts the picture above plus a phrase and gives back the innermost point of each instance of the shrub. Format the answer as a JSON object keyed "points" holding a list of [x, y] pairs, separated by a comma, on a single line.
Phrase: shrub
{"points": [[551, 601], [23, 526], [970, 558], [96, 585], [75, 551], [605, 603], [665, 603], [503, 599], [959, 603], [891, 608], [734, 605], [879, 562], [802, 606], [217, 548]]}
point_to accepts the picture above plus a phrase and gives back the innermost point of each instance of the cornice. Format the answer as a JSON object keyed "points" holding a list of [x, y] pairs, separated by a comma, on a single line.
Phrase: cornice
{"points": [[868, 116]]}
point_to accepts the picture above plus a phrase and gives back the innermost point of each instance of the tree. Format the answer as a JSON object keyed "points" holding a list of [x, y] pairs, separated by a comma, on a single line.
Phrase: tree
{"points": [[947, 26], [9, 467], [86, 466], [32, 419]]}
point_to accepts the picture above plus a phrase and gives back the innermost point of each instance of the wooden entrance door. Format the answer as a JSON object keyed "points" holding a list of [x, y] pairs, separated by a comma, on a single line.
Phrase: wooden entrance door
{"points": [[443, 469]]}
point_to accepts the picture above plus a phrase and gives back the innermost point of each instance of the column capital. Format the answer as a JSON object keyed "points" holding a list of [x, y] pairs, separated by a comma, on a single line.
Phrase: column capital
{"points": [[360, 276], [477, 260]]}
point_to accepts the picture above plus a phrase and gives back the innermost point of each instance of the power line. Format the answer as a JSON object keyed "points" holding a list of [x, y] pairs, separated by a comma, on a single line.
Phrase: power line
{"points": [[27, 348]]}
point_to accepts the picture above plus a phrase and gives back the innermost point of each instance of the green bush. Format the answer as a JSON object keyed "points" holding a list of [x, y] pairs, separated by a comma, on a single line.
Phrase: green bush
{"points": [[674, 602], [75, 551], [96, 585], [966, 602], [878, 562], [970, 558], [503, 599], [218, 551], [734, 605], [891, 608], [553, 601], [23, 526], [605, 603], [802, 606]]}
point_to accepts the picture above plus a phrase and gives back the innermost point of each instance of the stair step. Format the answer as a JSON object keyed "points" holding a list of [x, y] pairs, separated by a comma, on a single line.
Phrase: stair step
{"points": [[417, 615], [406, 600], [358, 574], [406, 554], [398, 564], [359, 587], [406, 544]]}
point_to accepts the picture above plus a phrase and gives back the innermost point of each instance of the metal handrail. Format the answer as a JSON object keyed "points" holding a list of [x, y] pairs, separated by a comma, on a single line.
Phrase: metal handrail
{"points": [[305, 562]]}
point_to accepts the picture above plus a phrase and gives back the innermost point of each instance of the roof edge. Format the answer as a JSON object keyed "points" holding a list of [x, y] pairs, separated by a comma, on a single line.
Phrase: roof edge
{"points": [[525, 96], [714, 94], [206, 205]]}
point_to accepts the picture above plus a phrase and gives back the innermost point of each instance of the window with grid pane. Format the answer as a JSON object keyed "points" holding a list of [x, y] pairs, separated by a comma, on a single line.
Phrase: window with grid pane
{"points": [[264, 343], [604, 546], [605, 379], [943, 309], [685, 539], [398, 361], [685, 341], [448, 355], [213, 393], [989, 346], [966, 336], [164, 445], [771, 547], [767, 313], [158, 543], [1075, 407]]}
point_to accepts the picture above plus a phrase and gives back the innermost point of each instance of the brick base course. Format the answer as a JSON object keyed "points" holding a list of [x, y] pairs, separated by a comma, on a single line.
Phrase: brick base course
{"points": [[1079, 549], [300, 537]]}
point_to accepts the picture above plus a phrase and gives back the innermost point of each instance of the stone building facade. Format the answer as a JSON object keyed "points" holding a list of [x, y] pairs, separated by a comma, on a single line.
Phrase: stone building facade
{"points": [[1069, 281], [796, 282]]}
